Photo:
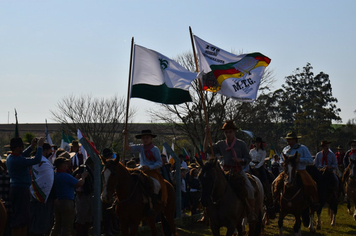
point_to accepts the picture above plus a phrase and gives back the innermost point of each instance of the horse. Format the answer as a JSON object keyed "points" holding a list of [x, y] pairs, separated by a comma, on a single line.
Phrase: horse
{"points": [[293, 200], [131, 200], [269, 212], [350, 186], [329, 190], [224, 207]]}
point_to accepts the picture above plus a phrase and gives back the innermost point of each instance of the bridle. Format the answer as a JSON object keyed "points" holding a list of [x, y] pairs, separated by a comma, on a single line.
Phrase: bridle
{"points": [[215, 202]]}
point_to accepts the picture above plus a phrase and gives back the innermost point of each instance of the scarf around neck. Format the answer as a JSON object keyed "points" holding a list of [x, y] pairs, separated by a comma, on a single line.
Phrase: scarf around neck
{"points": [[231, 148], [148, 153], [324, 160]]}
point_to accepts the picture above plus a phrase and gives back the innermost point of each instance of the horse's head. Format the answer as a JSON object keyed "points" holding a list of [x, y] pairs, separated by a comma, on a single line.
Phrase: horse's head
{"points": [[208, 179], [290, 166], [109, 176]]}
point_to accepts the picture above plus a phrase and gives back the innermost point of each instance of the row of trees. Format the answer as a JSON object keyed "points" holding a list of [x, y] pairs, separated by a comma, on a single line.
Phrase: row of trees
{"points": [[304, 104]]}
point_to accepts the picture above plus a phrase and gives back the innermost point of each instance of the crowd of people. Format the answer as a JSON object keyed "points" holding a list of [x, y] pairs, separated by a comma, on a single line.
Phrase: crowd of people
{"points": [[49, 191]]}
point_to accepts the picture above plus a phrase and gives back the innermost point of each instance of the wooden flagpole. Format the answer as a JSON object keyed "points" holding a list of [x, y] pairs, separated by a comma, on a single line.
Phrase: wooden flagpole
{"points": [[201, 93], [128, 100]]}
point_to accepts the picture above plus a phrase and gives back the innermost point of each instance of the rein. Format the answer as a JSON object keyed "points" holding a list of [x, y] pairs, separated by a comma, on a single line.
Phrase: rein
{"points": [[290, 199]]}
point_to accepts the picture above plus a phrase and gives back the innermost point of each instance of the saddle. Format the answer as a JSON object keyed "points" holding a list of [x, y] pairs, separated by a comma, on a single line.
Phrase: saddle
{"points": [[237, 183]]}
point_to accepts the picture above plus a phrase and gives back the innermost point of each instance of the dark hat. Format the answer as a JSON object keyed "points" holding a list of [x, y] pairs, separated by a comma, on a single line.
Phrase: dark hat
{"points": [[59, 160], [75, 143], [16, 142], [107, 152], [258, 140], [324, 142], [292, 135], [352, 141], [229, 124], [340, 147], [46, 146], [145, 132]]}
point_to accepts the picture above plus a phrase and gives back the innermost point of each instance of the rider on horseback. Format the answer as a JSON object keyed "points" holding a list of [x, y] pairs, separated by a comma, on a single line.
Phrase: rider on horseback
{"points": [[258, 156], [349, 156], [150, 163], [304, 159], [326, 160], [234, 155]]}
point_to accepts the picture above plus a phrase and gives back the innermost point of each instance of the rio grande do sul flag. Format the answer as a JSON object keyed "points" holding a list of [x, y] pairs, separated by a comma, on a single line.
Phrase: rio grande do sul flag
{"points": [[235, 76], [157, 78]]}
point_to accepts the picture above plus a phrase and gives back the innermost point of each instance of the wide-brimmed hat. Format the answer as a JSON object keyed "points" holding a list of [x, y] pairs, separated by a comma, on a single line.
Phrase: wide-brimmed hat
{"points": [[145, 132], [107, 152], [340, 147], [292, 135], [75, 143], [67, 155], [16, 142], [229, 124], [352, 141], [324, 142], [59, 160]]}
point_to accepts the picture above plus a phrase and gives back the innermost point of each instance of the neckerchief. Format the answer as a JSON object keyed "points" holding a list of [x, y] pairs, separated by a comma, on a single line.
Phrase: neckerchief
{"points": [[324, 160], [231, 148], [148, 153], [352, 151]]}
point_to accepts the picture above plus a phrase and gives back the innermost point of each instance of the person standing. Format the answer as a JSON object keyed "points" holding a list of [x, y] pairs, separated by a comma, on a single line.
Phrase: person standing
{"points": [[235, 156], [77, 158], [340, 159], [304, 159], [41, 205], [20, 180], [65, 185]]}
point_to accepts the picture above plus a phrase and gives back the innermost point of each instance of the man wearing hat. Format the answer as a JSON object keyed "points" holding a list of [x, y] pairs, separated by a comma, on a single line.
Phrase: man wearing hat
{"points": [[325, 158], [350, 154], [20, 180], [65, 184], [235, 155], [150, 162], [78, 158], [304, 159]]}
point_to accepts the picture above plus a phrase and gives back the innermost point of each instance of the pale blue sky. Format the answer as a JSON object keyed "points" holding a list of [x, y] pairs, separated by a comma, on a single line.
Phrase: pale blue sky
{"points": [[53, 49]]}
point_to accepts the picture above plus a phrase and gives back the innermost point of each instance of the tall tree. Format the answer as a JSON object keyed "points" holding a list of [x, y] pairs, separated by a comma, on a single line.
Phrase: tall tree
{"points": [[309, 104]]}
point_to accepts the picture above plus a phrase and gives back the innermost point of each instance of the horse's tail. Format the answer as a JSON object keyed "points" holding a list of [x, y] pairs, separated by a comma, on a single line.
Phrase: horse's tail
{"points": [[165, 226]]}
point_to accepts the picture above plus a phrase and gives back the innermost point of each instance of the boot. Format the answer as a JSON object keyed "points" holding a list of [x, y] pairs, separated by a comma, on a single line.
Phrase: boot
{"points": [[252, 217]]}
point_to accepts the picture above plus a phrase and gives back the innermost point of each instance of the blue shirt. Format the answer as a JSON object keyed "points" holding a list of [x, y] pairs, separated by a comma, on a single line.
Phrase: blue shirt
{"points": [[18, 167], [143, 159], [331, 160], [303, 153], [64, 184]]}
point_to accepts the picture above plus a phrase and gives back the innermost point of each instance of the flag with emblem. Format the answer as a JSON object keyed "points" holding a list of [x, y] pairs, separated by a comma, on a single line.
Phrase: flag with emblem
{"points": [[157, 78], [235, 76]]}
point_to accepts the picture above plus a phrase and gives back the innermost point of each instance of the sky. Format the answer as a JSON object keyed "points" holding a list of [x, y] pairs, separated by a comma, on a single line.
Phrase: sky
{"points": [[53, 49]]}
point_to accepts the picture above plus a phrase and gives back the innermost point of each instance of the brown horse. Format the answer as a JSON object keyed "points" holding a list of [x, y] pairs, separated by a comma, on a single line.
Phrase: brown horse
{"points": [[224, 207], [350, 187], [293, 200], [131, 201]]}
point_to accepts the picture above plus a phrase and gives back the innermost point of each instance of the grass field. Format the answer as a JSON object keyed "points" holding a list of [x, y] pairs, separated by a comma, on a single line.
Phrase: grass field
{"points": [[345, 225]]}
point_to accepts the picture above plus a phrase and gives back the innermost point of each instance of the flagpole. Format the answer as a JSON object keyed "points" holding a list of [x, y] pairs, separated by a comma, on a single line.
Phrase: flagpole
{"points": [[128, 100], [201, 93]]}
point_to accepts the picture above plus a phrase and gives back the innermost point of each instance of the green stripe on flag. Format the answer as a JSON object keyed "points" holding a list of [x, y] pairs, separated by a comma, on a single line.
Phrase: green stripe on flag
{"points": [[161, 93]]}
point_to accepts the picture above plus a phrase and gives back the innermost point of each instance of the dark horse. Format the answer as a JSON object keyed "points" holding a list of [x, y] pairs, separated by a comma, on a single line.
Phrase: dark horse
{"points": [[3, 217], [293, 200], [224, 207], [131, 202], [329, 190], [350, 186]]}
